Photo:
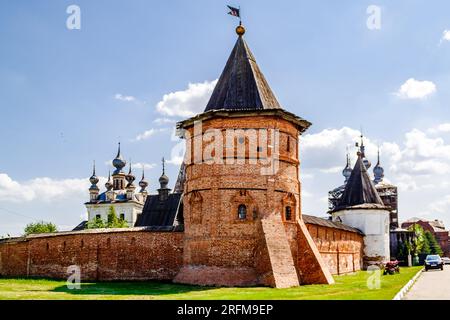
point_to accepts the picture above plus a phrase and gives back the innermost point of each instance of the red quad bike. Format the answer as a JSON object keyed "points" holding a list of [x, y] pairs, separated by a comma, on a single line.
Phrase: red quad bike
{"points": [[391, 267]]}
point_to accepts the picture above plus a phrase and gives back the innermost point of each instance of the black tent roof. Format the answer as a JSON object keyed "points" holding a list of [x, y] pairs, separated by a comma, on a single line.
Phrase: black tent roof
{"points": [[157, 213], [242, 85], [360, 190]]}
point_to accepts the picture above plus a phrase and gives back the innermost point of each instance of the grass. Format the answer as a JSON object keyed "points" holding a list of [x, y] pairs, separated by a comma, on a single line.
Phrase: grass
{"points": [[347, 287]]}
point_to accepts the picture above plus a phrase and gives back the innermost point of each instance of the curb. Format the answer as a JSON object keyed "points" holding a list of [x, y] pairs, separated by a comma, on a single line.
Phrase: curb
{"points": [[405, 289]]}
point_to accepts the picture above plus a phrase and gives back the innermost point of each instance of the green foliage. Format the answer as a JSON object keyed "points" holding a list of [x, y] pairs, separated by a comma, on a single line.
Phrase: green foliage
{"points": [[425, 242], [434, 246], [426, 245], [112, 221], [97, 223], [40, 227], [403, 249], [419, 241]]}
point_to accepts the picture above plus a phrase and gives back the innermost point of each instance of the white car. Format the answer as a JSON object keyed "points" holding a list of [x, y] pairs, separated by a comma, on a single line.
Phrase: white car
{"points": [[446, 260]]}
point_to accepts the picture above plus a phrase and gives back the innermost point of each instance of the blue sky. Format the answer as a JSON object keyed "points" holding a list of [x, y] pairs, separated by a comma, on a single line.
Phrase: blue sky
{"points": [[64, 92]]}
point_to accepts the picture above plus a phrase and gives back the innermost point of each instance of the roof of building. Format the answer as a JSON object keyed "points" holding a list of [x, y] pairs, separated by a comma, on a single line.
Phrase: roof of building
{"points": [[120, 196], [242, 85], [160, 213], [437, 225], [328, 223], [360, 190], [177, 228], [81, 226], [181, 180], [301, 123]]}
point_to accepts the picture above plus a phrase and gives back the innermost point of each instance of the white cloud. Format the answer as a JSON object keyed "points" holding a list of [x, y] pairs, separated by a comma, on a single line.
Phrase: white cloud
{"points": [[443, 127], [121, 97], [186, 103], [134, 165], [441, 205], [148, 134], [332, 169], [419, 144], [161, 121], [40, 189], [445, 36], [140, 165], [176, 160], [415, 89], [419, 164], [326, 150]]}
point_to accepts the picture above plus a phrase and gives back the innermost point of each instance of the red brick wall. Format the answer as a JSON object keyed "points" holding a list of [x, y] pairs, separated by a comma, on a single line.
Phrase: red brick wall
{"points": [[221, 249], [341, 250], [124, 255]]}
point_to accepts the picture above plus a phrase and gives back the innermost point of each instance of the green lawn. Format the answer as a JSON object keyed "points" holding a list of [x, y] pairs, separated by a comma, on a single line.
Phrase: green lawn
{"points": [[353, 286]]}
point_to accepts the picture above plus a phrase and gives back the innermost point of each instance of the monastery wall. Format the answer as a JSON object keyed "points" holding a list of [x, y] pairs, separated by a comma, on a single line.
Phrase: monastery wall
{"points": [[342, 251], [115, 254]]}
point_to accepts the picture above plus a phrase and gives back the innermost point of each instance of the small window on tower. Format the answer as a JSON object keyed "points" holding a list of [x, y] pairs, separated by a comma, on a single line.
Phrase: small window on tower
{"points": [[242, 212], [288, 146], [288, 214]]}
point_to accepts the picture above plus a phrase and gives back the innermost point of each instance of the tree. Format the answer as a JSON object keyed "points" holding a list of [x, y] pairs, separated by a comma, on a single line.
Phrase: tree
{"points": [[112, 217], [419, 239], [40, 227], [96, 223], [426, 245], [435, 248], [111, 222], [403, 250]]}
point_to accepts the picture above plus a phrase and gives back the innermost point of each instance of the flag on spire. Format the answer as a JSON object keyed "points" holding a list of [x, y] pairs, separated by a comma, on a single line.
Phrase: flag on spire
{"points": [[235, 12]]}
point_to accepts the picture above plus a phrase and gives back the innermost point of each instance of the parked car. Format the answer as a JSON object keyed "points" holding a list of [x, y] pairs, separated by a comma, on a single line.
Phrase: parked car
{"points": [[433, 261], [446, 260]]}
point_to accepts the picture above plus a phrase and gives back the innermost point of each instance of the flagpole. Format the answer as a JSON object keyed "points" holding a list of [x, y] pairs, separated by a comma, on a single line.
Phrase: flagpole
{"points": [[240, 16]]}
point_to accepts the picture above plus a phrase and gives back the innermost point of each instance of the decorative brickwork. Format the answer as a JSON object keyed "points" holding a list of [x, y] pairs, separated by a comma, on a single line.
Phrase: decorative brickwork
{"points": [[125, 255], [341, 250], [242, 224]]}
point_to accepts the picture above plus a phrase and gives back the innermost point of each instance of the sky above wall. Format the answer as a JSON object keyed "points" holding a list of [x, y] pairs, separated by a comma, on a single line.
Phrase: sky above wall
{"points": [[136, 67]]}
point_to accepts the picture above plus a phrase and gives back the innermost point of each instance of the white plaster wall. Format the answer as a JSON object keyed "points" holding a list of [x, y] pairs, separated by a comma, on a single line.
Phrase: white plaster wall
{"points": [[374, 223], [129, 209]]}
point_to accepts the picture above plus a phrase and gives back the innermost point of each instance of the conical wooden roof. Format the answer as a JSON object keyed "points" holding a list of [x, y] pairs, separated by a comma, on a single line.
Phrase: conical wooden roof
{"points": [[360, 189], [242, 85]]}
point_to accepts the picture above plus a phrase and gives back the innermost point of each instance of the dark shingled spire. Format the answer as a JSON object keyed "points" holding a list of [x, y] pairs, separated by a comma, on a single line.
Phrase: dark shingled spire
{"points": [[359, 189], [242, 86]]}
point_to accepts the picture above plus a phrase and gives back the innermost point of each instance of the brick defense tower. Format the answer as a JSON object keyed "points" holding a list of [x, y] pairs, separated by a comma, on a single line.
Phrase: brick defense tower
{"points": [[242, 193]]}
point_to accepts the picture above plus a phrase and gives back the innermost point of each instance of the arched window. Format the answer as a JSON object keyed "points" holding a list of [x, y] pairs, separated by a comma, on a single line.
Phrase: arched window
{"points": [[242, 212], [288, 213]]}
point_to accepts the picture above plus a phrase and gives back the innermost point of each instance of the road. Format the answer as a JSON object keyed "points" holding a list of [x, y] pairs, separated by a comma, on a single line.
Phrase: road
{"points": [[431, 285]]}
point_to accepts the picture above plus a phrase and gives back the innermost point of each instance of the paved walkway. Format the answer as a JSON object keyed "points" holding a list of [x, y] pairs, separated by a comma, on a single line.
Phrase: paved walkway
{"points": [[431, 285]]}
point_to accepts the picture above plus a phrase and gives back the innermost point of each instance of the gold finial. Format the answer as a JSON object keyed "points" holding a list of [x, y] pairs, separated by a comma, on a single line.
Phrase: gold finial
{"points": [[240, 30]]}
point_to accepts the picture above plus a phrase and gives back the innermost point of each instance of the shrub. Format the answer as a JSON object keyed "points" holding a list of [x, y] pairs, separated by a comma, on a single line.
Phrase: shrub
{"points": [[40, 227]]}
